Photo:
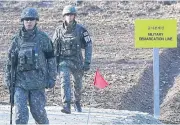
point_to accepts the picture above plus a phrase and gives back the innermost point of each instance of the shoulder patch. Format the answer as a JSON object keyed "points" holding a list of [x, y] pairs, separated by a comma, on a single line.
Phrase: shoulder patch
{"points": [[85, 33], [87, 39]]}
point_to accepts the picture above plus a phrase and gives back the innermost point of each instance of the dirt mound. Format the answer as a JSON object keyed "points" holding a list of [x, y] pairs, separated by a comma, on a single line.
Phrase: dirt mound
{"points": [[171, 104], [111, 25]]}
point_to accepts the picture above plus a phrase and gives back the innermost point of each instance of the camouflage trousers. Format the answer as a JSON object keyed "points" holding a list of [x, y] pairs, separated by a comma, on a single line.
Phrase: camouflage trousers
{"points": [[65, 74], [36, 99]]}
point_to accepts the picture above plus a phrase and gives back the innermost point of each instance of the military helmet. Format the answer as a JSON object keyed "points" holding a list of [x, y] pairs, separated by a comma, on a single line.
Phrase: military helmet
{"points": [[29, 13], [69, 9]]}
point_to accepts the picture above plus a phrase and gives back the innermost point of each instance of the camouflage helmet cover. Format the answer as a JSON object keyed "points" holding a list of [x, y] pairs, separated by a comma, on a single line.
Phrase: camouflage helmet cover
{"points": [[69, 9], [29, 13]]}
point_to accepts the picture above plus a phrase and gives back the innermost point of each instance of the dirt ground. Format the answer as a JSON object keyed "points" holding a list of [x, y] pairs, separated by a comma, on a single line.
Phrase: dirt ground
{"points": [[128, 70]]}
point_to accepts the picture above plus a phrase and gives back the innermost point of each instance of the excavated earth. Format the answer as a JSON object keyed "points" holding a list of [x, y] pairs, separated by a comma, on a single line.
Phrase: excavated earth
{"points": [[128, 70]]}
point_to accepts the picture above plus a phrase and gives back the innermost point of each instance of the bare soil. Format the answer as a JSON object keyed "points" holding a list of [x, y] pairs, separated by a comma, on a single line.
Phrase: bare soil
{"points": [[128, 70]]}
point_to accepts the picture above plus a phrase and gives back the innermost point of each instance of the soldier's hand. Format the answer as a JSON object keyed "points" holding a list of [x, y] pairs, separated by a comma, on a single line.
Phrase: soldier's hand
{"points": [[86, 66]]}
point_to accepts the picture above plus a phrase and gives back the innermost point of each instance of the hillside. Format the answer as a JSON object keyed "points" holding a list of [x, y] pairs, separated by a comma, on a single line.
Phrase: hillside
{"points": [[127, 69]]}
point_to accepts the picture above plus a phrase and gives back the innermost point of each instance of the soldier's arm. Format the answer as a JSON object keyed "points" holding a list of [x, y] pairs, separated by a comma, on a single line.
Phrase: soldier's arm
{"points": [[54, 40], [56, 45], [51, 63], [87, 45], [11, 50]]}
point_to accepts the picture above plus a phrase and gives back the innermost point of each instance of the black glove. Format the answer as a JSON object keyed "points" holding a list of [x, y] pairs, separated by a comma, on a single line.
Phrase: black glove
{"points": [[86, 66], [51, 84]]}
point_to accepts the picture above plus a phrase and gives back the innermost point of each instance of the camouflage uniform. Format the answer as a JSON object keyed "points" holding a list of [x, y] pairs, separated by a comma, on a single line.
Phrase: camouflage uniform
{"points": [[68, 43], [35, 71]]}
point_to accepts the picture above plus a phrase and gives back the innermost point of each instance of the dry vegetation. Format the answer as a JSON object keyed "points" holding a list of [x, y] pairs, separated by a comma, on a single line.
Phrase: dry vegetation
{"points": [[127, 69]]}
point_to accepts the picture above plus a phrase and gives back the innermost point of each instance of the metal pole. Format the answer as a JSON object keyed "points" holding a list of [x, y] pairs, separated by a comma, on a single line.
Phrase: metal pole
{"points": [[156, 82]]}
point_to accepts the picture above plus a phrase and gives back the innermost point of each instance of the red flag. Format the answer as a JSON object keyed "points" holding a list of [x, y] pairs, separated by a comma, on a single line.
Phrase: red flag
{"points": [[99, 81]]}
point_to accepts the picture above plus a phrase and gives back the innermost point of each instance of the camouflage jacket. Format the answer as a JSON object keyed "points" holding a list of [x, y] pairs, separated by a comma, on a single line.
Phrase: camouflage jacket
{"points": [[69, 43], [38, 77]]}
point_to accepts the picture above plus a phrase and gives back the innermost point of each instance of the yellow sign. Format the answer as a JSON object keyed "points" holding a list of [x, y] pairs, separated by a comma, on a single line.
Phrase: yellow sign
{"points": [[155, 33]]}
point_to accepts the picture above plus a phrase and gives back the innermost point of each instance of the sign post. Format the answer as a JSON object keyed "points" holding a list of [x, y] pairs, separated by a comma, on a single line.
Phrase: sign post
{"points": [[156, 82], [156, 33]]}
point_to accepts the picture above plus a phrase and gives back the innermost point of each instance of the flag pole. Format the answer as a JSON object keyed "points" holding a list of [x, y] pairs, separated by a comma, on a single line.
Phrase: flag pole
{"points": [[100, 83], [90, 105]]}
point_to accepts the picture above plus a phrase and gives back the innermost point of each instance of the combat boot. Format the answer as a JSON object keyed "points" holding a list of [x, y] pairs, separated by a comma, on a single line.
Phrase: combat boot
{"points": [[66, 108], [77, 106]]}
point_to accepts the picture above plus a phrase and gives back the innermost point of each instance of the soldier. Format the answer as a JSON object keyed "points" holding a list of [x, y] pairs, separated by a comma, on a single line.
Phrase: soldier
{"points": [[35, 69], [69, 39]]}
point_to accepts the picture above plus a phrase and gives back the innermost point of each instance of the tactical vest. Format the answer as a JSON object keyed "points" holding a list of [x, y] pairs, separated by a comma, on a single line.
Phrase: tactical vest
{"points": [[28, 55], [70, 45]]}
